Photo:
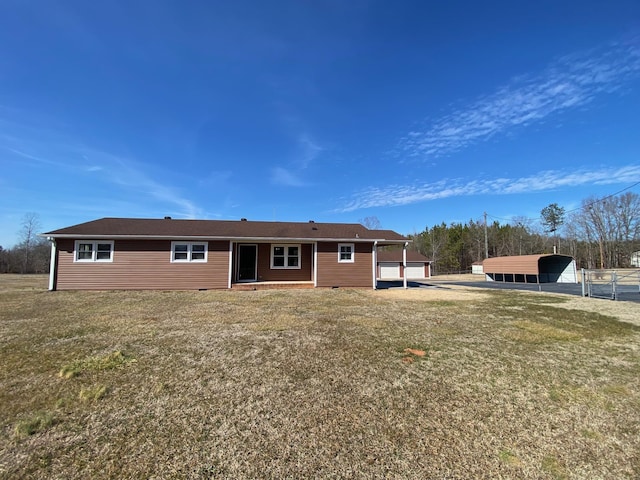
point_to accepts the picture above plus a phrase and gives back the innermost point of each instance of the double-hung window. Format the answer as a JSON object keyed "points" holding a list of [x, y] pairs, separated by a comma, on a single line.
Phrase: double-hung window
{"points": [[188, 251], [346, 252], [93, 251], [285, 256]]}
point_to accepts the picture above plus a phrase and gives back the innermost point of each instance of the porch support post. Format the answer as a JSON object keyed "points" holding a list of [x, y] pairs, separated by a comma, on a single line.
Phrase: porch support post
{"points": [[230, 263], [404, 264], [52, 265], [374, 264], [315, 264]]}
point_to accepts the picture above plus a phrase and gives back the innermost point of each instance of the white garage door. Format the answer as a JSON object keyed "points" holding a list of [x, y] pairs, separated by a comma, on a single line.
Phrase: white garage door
{"points": [[415, 270], [389, 270]]}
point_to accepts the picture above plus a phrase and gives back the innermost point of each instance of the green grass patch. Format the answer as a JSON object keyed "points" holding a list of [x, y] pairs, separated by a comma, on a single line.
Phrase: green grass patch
{"points": [[92, 393], [509, 457], [553, 467], [37, 422], [109, 361], [591, 434], [536, 332]]}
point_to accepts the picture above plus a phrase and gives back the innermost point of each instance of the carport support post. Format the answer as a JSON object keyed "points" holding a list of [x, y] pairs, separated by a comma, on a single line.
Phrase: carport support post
{"points": [[374, 266], [404, 264]]}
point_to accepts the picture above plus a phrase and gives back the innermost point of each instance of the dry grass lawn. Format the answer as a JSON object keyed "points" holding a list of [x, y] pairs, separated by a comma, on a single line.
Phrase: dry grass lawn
{"points": [[425, 383]]}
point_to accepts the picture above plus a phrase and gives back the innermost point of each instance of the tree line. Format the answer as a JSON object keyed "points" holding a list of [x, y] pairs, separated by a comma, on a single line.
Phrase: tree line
{"points": [[32, 254], [602, 233]]}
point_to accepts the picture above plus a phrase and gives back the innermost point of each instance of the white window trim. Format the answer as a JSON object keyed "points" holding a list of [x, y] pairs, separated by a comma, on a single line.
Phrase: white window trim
{"points": [[353, 252], [286, 256], [190, 246], [94, 251]]}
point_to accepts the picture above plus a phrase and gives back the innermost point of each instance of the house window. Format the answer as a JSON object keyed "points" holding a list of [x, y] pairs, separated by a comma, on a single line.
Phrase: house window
{"points": [[188, 251], [345, 252], [285, 256], [93, 251]]}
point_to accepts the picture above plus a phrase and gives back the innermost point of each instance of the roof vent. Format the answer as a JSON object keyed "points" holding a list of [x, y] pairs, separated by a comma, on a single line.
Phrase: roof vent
{"points": [[243, 219], [167, 218], [312, 221]]}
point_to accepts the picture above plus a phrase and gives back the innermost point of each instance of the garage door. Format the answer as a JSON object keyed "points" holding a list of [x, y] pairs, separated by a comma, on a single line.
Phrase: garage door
{"points": [[389, 270], [415, 270]]}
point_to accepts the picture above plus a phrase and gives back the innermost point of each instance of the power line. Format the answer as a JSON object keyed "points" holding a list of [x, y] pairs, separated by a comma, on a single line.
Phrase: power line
{"points": [[603, 198], [599, 200]]}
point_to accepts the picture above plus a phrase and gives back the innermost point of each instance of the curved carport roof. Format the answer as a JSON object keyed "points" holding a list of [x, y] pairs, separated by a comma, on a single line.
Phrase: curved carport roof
{"points": [[531, 268]]}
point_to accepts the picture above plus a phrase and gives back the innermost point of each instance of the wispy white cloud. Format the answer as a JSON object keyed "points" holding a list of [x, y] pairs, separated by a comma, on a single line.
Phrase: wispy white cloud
{"points": [[216, 177], [131, 175], [309, 150], [285, 177], [36, 160], [34, 140], [572, 81], [396, 195]]}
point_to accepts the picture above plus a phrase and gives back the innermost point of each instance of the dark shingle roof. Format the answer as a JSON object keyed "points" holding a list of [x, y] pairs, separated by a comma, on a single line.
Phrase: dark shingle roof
{"points": [[233, 229]]}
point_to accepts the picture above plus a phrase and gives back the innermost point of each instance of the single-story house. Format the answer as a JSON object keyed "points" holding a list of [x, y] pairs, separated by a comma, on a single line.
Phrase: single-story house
{"points": [[130, 253], [546, 268], [391, 265]]}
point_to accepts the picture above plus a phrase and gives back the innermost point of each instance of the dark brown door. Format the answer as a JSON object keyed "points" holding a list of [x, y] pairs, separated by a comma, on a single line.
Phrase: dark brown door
{"points": [[247, 263]]}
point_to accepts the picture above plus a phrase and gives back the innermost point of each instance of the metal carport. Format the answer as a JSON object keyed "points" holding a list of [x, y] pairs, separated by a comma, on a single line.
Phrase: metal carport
{"points": [[545, 268]]}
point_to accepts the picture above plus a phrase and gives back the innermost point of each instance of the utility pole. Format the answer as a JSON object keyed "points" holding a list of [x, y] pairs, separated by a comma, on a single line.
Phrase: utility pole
{"points": [[486, 239]]}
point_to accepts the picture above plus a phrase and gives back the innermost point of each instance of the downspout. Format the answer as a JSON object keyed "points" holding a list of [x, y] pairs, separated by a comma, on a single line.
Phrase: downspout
{"points": [[374, 266], [404, 264], [52, 264]]}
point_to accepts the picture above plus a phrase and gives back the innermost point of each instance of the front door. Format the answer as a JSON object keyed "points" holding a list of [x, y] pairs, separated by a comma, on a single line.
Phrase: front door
{"points": [[247, 263]]}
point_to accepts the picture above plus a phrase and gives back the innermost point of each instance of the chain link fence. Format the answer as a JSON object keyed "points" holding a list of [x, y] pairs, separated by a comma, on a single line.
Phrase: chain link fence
{"points": [[609, 283]]}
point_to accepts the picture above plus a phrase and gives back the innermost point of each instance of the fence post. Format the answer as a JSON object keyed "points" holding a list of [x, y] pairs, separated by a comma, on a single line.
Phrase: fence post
{"points": [[614, 280], [583, 281]]}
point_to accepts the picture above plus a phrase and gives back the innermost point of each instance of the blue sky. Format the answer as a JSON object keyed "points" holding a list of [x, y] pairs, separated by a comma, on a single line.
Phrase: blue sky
{"points": [[413, 112]]}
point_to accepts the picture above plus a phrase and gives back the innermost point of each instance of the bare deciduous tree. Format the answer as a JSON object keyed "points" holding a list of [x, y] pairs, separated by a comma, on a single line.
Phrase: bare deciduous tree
{"points": [[372, 223], [28, 238]]}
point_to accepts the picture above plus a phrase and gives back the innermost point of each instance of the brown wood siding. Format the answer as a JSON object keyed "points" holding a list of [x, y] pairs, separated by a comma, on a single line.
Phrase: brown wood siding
{"points": [[267, 274], [143, 265], [332, 273]]}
